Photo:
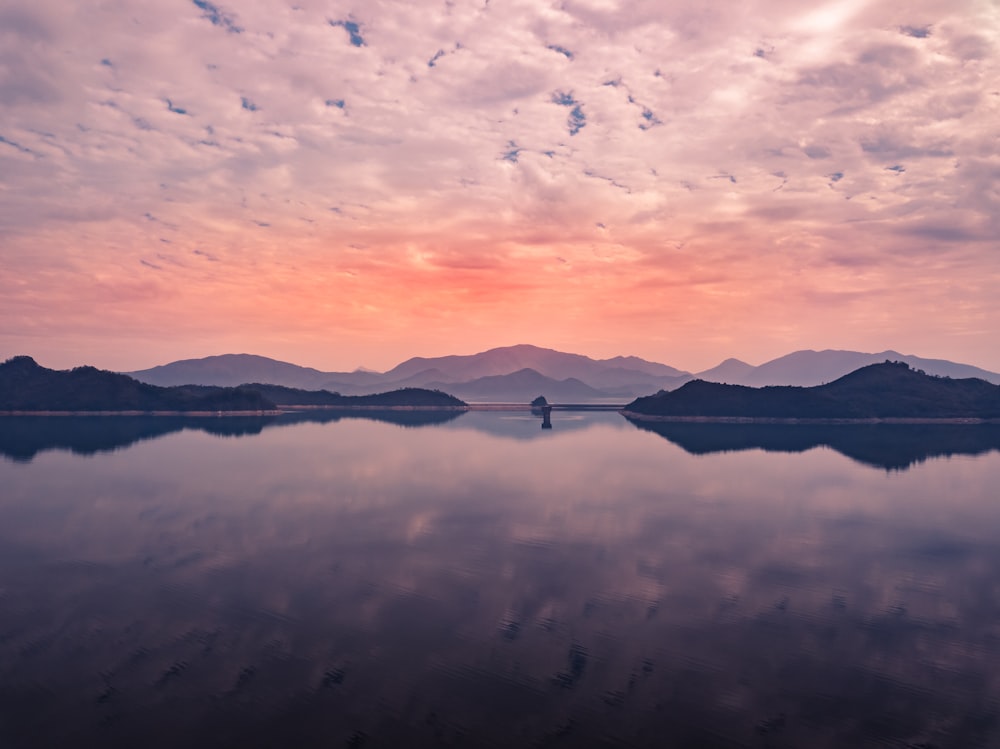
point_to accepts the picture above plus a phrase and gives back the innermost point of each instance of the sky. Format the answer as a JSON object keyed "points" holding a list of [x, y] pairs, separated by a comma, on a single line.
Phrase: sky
{"points": [[343, 184]]}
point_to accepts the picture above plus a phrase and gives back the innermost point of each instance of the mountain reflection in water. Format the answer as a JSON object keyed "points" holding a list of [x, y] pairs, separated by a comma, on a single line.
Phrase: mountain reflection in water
{"points": [[352, 583], [889, 446], [23, 437]]}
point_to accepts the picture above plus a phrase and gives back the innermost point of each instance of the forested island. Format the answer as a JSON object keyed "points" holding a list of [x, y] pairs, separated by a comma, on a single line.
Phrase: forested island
{"points": [[27, 387], [401, 398], [887, 391]]}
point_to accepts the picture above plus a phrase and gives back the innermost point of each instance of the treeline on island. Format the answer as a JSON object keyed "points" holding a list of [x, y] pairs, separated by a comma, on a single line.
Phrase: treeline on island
{"points": [[402, 398], [27, 386], [890, 390]]}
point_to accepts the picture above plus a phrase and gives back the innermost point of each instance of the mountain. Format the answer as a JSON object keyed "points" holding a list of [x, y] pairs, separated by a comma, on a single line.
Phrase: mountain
{"points": [[431, 378], [508, 359], [622, 377], [229, 370], [877, 391], [731, 370], [808, 368], [26, 386], [523, 386]]}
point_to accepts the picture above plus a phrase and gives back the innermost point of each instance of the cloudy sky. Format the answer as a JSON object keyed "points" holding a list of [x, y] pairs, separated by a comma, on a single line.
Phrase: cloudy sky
{"points": [[348, 183]]}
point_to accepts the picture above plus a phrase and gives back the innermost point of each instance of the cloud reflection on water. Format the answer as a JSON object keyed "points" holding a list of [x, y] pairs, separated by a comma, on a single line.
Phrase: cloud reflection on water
{"points": [[448, 585]]}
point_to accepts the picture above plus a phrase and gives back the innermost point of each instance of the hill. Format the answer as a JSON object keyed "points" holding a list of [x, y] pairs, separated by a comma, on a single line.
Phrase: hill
{"points": [[890, 390], [401, 398], [27, 386]]}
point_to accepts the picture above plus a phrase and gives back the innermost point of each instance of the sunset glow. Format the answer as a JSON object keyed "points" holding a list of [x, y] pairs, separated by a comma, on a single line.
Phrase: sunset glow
{"points": [[341, 184]]}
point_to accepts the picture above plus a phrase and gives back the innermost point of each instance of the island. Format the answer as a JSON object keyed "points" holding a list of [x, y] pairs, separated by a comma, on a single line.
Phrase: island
{"points": [[403, 398], [890, 392], [28, 388]]}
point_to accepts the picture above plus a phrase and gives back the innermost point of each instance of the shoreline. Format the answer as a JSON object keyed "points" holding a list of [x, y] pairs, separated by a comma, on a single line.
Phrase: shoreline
{"points": [[223, 414], [141, 413], [517, 407], [553, 406], [806, 420], [298, 409]]}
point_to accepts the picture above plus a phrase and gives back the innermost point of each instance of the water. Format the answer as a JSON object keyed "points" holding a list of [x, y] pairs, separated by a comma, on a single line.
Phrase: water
{"points": [[474, 581]]}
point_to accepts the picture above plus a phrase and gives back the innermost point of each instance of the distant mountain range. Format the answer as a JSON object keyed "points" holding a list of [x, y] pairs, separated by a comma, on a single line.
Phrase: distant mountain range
{"points": [[519, 373], [510, 374], [890, 390], [809, 368]]}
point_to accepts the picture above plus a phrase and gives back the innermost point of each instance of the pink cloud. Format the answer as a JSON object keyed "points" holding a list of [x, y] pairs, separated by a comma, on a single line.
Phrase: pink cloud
{"points": [[739, 181]]}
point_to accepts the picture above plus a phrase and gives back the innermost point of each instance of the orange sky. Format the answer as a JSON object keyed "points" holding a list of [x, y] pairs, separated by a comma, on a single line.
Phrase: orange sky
{"points": [[352, 184]]}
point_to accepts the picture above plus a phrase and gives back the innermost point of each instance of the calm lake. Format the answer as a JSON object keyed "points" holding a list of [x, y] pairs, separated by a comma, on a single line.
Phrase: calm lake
{"points": [[476, 581]]}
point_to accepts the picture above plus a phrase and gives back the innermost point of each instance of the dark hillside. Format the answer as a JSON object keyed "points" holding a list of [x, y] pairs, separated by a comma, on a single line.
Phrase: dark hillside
{"points": [[404, 397], [407, 397], [878, 391], [26, 386]]}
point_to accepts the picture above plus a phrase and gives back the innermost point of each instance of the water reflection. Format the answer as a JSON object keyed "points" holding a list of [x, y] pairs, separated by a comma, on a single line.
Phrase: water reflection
{"points": [[23, 437], [889, 446], [351, 583]]}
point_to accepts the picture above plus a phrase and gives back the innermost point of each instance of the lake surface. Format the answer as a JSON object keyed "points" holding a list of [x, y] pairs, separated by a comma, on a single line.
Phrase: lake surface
{"points": [[473, 580]]}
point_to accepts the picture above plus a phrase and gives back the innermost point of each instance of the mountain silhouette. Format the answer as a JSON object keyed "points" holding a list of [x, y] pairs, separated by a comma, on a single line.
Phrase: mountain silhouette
{"points": [[620, 377], [890, 390], [809, 368], [523, 386], [26, 386]]}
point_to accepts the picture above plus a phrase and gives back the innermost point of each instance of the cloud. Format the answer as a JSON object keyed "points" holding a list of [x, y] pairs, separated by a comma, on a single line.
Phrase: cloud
{"points": [[542, 120], [972, 47]]}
